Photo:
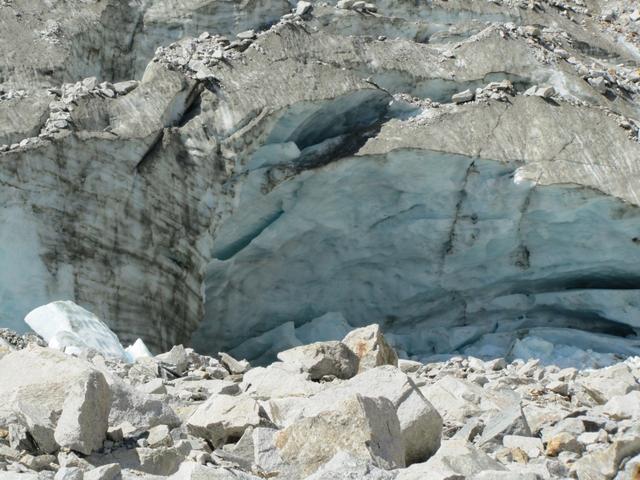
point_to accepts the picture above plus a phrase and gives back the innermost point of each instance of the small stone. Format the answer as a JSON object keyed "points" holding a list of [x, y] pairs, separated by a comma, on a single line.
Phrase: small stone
{"points": [[563, 442], [159, 436], [155, 386], [545, 92], [122, 88], [246, 35], [359, 5], [370, 7], [345, 4], [369, 344], [111, 471], [235, 367], [599, 84], [69, 473], [556, 386], [303, 8], [463, 97]]}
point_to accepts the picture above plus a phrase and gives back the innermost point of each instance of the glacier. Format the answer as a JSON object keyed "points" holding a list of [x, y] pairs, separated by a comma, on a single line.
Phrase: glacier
{"points": [[257, 193]]}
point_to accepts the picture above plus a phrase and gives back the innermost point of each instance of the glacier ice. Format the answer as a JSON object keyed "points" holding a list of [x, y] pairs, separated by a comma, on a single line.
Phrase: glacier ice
{"points": [[354, 236], [65, 325]]}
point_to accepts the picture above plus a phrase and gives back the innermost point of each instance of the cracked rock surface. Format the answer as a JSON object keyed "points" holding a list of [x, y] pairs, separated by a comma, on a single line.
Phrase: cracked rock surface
{"points": [[253, 176]]}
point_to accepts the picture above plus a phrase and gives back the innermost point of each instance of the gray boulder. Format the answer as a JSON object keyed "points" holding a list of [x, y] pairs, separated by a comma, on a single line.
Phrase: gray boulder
{"points": [[367, 428], [224, 418], [62, 402], [322, 358]]}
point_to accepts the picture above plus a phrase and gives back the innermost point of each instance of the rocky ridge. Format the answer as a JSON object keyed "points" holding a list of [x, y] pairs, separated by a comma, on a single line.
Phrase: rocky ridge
{"points": [[327, 410]]}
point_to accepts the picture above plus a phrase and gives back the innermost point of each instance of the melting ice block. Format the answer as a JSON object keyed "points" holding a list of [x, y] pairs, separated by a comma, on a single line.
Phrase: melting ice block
{"points": [[65, 325]]}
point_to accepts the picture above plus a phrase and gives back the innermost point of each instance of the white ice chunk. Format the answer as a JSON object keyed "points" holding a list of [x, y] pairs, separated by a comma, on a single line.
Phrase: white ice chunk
{"points": [[138, 350], [64, 324]]}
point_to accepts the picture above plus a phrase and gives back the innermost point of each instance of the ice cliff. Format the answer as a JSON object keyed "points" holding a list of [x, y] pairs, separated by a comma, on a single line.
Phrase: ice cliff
{"points": [[244, 178]]}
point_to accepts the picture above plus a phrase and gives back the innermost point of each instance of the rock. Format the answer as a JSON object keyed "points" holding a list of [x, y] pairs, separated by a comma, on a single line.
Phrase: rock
{"points": [[345, 4], [604, 464], [463, 97], [69, 473], [510, 421], [177, 358], [39, 462], [531, 445], [561, 388], [563, 442], [111, 471], [234, 366], [606, 383], [303, 8], [122, 88], [63, 402], [622, 407], [599, 84], [155, 386], [370, 346], [453, 461], [246, 35], [321, 359], [275, 381], [545, 92], [195, 471], [138, 410], [344, 466], [366, 428], [223, 418], [159, 437], [420, 423]]}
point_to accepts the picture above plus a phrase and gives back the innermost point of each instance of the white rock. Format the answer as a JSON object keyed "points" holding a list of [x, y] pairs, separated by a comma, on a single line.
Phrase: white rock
{"points": [[303, 8], [322, 358], [275, 381], [420, 423], [621, 407], [159, 437], [366, 428], [532, 446], [111, 471], [63, 401], [69, 473], [463, 97], [454, 460], [234, 366], [177, 357], [223, 418], [369, 344], [344, 466]]}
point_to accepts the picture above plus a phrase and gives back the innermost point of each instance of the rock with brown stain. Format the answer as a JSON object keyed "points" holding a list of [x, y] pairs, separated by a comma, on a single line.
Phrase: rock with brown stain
{"points": [[370, 346]]}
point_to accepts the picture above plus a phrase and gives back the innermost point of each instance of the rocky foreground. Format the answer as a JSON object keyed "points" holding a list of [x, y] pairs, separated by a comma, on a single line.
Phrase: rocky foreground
{"points": [[329, 410]]}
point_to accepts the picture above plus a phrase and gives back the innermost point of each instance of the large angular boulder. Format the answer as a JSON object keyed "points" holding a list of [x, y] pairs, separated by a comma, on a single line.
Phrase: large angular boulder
{"points": [[366, 428], [322, 358], [370, 346], [420, 423], [224, 418], [62, 401]]}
